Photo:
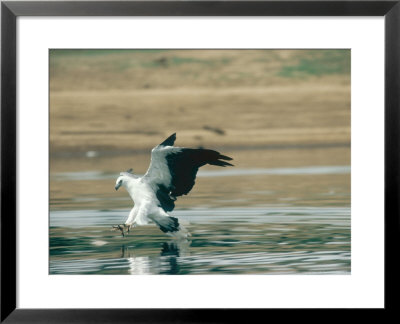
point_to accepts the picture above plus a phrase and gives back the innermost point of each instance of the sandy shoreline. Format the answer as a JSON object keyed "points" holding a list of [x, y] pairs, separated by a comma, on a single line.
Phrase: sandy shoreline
{"points": [[252, 103], [128, 120]]}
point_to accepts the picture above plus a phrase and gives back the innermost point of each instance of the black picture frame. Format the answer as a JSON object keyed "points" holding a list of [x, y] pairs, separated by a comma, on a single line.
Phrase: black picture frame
{"points": [[10, 10]]}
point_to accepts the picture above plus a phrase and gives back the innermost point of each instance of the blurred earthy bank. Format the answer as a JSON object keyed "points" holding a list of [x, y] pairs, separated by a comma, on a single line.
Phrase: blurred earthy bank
{"points": [[266, 108]]}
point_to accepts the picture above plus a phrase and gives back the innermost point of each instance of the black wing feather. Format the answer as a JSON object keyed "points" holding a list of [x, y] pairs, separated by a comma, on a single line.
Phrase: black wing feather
{"points": [[169, 141], [184, 165], [166, 201]]}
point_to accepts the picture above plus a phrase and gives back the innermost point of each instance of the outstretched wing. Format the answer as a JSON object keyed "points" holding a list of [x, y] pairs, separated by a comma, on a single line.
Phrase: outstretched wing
{"points": [[173, 170]]}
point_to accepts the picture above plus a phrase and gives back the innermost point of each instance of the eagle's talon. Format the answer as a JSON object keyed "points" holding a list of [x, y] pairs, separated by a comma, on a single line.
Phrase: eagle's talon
{"points": [[122, 228]]}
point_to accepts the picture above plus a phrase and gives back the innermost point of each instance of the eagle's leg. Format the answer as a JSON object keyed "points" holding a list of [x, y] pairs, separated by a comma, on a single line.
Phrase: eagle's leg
{"points": [[131, 219]]}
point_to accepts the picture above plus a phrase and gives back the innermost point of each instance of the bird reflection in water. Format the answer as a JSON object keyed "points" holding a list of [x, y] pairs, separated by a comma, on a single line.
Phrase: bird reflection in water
{"points": [[166, 263]]}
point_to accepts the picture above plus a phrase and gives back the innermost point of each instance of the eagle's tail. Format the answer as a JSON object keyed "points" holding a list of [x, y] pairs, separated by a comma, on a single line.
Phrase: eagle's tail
{"points": [[167, 224], [170, 225]]}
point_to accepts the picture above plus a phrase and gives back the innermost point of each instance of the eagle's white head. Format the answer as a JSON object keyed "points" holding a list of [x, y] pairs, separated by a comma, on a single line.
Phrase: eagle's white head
{"points": [[123, 178]]}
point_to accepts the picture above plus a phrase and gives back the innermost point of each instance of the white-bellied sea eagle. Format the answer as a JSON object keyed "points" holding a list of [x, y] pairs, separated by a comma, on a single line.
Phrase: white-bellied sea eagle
{"points": [[172, 173]]}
